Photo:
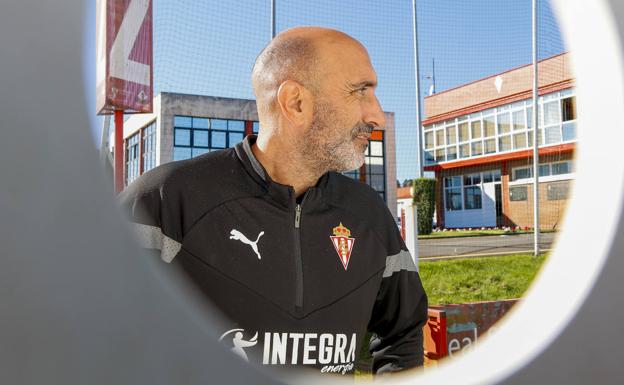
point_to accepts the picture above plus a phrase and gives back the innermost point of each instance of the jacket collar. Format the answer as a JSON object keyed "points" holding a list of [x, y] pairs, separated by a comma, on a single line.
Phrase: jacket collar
{"points": [[281, 194]]}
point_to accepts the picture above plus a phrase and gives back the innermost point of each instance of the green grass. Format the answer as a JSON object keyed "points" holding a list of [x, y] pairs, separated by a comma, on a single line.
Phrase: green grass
{"points": [[476, 233], [478, 279]]}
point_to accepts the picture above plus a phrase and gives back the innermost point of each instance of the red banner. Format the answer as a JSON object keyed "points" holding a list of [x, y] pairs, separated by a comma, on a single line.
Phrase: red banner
{"points": [[124, 56]]}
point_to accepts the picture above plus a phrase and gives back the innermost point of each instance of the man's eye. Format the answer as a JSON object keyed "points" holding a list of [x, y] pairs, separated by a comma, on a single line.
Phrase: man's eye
{"points": [[362, 90]]}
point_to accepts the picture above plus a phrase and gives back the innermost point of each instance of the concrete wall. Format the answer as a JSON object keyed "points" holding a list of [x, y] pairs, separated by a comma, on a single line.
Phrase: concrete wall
{"points": [[515, 213], [520, 213]]}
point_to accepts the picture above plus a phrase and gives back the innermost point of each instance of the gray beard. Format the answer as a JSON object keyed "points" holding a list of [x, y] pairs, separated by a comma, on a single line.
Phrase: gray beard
{"points": [[323, 152]]}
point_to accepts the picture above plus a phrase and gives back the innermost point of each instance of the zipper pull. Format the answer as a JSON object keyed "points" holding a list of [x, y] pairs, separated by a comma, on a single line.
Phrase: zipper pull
{"points": [[297, 216]]}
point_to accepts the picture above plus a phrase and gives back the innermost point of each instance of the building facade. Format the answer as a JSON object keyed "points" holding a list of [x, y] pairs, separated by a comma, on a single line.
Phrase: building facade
{"points": [[478, 140], [183, 126]]}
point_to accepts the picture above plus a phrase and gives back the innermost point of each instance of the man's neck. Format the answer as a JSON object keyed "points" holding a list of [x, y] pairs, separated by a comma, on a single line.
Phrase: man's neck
{"points": [[284, 165]]}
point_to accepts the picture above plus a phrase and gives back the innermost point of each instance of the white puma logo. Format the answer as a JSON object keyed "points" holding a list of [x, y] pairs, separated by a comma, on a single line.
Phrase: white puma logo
{"points": [[238, 236]]}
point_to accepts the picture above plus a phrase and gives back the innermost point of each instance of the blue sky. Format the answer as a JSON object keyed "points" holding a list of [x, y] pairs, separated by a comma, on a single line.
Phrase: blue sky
{"points": [[208, 47]]}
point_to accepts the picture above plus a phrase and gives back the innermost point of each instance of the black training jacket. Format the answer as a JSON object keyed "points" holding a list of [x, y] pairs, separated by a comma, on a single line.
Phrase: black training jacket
{"points": [[301, 282]]}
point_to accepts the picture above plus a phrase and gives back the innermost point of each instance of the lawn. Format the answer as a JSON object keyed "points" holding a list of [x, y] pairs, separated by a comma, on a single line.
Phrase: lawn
{"points": [[478, 279]]}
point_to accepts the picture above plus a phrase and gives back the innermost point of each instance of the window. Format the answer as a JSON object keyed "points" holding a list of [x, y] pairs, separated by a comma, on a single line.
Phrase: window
{"points": [[472, 191], [132, 157], [464, 150], [557, 191], [439, 134], [551, 113], [194, 136], [518, 120], [463, 132], [255, 127], [519, 141], [488, 126], [439, 155], [561, 168], [518, 193], [490, 146], [374, 165], [475, 128], [522, 173], [568, 109], [451, 135], [429, 159], [553, 134], [503, 123], [503, 128], [568, 131], [452, 193], [504, 143], [451, 153], [429, 139], [544, 170], [149, 147], [477, 148]]}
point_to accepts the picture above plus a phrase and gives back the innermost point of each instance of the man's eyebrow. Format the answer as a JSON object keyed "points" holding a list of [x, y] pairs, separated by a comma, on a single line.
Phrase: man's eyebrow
{"points": [[364, 83]]}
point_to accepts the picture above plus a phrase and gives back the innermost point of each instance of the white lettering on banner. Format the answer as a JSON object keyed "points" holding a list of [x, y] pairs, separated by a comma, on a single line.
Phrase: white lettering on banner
{"points": [[121, 66]]}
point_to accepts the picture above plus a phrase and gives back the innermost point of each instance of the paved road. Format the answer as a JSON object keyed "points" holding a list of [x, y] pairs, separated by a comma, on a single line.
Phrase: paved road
{"points": [[502, 244]]}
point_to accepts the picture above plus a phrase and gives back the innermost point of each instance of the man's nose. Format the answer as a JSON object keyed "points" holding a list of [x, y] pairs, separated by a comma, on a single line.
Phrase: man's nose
{"points": [[373, 114]]}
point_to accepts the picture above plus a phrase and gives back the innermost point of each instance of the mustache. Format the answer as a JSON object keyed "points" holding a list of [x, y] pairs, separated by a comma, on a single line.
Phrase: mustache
{"points": [[362, 128]]}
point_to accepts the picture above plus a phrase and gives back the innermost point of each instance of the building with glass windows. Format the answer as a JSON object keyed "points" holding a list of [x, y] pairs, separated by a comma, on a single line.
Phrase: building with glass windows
{"points": [[183, 126], [478, 140]]}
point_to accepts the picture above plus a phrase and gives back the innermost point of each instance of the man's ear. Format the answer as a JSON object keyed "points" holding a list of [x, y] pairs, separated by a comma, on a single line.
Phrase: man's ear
{"points": [[295, 103]]}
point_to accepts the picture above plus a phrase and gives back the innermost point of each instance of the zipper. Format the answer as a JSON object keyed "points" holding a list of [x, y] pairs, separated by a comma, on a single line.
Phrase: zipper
{"points": [[298, 258]]}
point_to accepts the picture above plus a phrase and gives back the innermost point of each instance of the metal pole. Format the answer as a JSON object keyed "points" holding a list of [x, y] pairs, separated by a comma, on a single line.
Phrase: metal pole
{"points": [[433, 74], [417, 84], [119, 151], [536, 225], [272, 19]]}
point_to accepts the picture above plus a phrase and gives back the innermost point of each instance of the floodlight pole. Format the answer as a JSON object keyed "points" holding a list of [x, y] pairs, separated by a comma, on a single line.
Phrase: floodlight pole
{"points": [[272, 19], [536, 223], [417, 84]]}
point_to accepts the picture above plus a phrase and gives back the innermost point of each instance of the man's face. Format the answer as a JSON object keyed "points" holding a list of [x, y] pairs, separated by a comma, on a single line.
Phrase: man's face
{"points": [[346, 110]]}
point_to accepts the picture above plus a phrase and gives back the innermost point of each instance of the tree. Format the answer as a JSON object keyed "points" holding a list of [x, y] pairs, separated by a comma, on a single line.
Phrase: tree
{"points": [[424, 199]]}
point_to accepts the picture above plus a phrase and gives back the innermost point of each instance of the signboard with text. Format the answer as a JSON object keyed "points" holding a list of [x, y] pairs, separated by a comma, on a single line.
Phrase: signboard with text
{"points": [[124, 56]]}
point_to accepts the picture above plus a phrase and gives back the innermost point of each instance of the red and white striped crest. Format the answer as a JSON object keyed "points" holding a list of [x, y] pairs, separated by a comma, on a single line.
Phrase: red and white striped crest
{"points": [[343, 244]]}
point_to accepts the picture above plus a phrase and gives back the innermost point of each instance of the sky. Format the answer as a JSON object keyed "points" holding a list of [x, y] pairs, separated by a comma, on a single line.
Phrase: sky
{"points": [[208, 47]]}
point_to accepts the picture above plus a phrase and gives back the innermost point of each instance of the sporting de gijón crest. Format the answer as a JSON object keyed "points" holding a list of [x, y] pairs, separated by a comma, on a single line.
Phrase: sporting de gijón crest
{"points": [[343, 243]]}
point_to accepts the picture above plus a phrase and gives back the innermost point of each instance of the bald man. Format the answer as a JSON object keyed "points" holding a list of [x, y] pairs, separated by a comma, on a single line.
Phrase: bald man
{"points": [[301, 260]]}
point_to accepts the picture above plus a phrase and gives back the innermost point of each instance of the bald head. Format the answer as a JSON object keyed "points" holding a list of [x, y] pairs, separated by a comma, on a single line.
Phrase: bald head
{"points": [[294, 54]]}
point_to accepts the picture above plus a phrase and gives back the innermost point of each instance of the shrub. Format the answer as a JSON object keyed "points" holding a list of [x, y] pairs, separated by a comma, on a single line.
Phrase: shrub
{"points": [[424, 199]]}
